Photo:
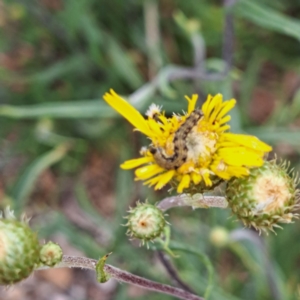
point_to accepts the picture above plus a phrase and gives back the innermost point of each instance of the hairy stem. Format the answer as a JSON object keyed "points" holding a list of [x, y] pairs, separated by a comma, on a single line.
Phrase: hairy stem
{"points": [[197, 200], [123, 276]]}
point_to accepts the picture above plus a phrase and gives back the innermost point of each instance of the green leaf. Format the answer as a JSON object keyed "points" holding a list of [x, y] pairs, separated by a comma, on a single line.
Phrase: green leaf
{"points": [[123, 64], [276, 135], [75, 64], [267, 17], [295, 107], [73, 110], [26, 181]]}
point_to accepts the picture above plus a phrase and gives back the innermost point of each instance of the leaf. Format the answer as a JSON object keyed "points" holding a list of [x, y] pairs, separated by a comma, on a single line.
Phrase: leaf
{"points": [[295, 108], [268, 18], [123, 64], [276, 135], [73, 110], [77, 63], [26, 181]]}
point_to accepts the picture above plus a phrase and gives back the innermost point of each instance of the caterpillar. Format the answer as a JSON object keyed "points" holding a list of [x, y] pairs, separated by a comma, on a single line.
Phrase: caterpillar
{"points": [[180, 148]]}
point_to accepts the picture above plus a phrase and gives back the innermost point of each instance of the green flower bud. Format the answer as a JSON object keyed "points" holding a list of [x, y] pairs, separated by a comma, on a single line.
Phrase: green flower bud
{"points": [[19, 250], [266, 197], [51, 254], [145, 222], [219, 236]]}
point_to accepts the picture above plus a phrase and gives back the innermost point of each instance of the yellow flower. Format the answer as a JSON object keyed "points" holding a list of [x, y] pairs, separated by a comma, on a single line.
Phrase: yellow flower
{"points": [[191, 150]]}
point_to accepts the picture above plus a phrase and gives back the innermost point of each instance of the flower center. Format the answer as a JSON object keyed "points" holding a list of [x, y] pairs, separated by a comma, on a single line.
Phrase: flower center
{"points": [[192, 143], [146, 224], [271, 193], [201, 146], [143, 223]]}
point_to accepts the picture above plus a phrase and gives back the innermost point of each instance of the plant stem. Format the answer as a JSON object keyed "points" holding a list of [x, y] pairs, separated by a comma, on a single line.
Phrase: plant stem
{"points": [[205, 260], [152, 36], [172, 271], [123, 276], [175, 72], [197, 200], [239, 235]]}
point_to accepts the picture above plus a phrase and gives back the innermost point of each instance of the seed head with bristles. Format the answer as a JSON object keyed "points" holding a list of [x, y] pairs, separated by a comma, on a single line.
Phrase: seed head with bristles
{"points": [[19, 249], [145, 222], [265, 198]]}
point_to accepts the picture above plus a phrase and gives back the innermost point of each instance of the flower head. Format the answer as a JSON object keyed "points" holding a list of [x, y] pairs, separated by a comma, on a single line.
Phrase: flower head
{"points": [[193, 150], [145, 222], [19, 249], [51, 254], [266, 197]]}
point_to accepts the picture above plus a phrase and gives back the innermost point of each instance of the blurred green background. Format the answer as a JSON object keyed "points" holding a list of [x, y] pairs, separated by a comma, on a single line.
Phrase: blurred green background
{"points": [[61, 145]]}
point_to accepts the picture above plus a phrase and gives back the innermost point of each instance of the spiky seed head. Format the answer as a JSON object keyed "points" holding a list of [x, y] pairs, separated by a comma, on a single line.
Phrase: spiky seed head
{"points": [[219, 236], [51, 254], [145, 222], [19, 250], [268, 196]]}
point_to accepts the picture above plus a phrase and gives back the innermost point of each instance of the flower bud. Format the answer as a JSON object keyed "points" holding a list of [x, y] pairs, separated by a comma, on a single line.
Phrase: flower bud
{"points": [[51, 254], [219, 236], [266, 197], [19, 250], [145, 222]]}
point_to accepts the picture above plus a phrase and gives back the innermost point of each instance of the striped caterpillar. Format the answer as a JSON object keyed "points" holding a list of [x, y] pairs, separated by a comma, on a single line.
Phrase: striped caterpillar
{"points": [[180, 148]]}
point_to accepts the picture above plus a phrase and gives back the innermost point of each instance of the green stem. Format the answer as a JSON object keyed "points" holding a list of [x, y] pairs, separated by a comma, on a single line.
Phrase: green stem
{"points": [[245, 257], [204, 259]]}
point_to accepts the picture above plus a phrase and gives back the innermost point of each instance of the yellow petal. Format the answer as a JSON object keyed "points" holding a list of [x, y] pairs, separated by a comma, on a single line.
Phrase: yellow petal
{"points": [[133, 163], [185, 167], [212, 104], [206, 178], [238, 171], [164, 179], [196, 178], [184, 183], [225, 120], [216, 109], [192, 102], [223, 128], [153, 180], [205, 106], [249, 141], [226, 172], [228, 105], [148, 171], [128, 112], [224, 175], [240, 156], [226, 144], [155, 128]]}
